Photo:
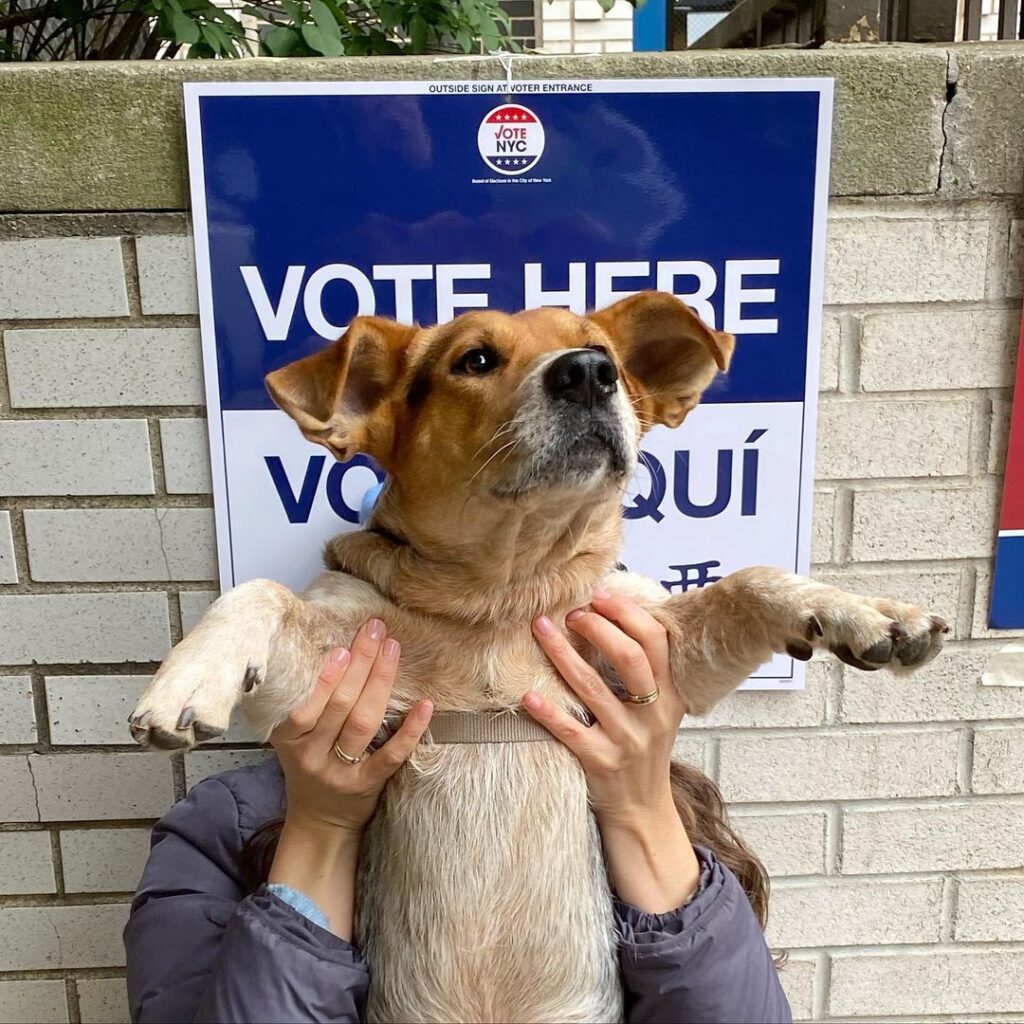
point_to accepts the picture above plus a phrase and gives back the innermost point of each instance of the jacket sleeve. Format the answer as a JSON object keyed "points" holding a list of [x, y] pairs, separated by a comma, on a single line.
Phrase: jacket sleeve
{"points": [[199, 949], [705, 963]]}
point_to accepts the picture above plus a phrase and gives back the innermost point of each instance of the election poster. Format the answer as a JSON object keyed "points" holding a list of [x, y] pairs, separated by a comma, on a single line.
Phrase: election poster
{"points": [[315, 202]]}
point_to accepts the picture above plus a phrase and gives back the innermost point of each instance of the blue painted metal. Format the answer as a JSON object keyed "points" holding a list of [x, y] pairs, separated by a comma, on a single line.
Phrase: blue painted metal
{"points": [[650, 26]]}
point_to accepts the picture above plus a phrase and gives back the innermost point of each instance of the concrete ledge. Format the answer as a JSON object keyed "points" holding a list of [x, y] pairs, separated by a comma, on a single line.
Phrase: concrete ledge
{"points": [[985, 121], [109, 136]]}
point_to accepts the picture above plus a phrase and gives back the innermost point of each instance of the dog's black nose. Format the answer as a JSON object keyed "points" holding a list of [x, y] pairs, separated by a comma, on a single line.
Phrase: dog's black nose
{"points": [[584, 376]]}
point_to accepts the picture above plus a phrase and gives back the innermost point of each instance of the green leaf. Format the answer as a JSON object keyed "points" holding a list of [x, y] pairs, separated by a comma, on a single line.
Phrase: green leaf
{"points": [[606, 5], [318, 40], [295, 12], [281, 42], [324, 19], [218, 40], [185, 29], [418, 33]]}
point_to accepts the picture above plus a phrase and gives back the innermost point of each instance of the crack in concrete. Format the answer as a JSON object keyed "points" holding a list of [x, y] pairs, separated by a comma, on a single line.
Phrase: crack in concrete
{"points": [[952, 73], [160, 513], [60, 941], [35, 787]]}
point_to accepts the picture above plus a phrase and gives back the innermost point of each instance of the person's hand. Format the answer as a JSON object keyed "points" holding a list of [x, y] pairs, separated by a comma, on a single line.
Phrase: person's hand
{"points": [[329, 800], [345, 710], [627, 752]]}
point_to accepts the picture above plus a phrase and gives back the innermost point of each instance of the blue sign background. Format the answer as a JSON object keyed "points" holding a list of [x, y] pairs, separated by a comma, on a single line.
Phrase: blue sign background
{"points": [[318, 179], [308, 182]]}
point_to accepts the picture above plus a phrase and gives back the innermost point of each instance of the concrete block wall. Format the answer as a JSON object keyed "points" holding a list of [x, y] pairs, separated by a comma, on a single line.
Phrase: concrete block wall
{"points": [[888, 811]]}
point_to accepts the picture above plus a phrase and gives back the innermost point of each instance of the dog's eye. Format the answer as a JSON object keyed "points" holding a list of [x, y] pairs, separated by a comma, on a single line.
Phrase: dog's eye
{"points": [[476, 362]]}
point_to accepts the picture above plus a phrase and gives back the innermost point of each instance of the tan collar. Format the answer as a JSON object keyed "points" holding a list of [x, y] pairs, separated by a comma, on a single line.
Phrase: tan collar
{"points": [[486, 727]]}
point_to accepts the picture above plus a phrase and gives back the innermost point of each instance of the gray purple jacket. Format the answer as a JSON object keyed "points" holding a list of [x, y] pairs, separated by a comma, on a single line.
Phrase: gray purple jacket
{"points": [[200, 948]]}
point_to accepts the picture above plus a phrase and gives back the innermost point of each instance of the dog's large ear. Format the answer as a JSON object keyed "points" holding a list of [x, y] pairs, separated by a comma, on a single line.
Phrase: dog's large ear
{"points": [[669, 354], [333, 394]]}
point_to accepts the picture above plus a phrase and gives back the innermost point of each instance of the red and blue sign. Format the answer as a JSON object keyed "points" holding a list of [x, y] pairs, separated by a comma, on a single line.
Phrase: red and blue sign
{"points": [[1006, 610], [511, 139]]}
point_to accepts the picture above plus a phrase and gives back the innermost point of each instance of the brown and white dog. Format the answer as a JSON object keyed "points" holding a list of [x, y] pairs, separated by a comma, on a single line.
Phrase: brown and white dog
{"points": [[508, 441]]}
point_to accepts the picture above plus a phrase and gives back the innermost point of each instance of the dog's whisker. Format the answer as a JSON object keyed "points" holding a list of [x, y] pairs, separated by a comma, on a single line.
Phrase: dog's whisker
{"points": [[510, 444], [503, 429]]}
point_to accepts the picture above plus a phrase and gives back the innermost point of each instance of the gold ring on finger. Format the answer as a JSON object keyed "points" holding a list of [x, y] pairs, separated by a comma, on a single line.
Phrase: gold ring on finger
{"points": [[646, 698], [347, 758]]}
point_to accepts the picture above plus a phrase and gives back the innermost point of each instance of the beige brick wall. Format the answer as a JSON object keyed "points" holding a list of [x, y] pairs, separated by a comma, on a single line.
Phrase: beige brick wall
{"points": [[889, 810], [583, 26]]}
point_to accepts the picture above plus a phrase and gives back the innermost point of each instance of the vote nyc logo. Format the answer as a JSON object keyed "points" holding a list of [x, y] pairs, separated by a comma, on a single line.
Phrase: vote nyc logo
{"points": [[511, 139]]}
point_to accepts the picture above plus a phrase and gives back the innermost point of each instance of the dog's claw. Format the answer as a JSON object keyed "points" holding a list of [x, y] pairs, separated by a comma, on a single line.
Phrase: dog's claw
{"points": [[843, 653], [939, 624], [251, 678], [186, 718], [799, 650], [814, 627], [205, 732], [880, 652]]}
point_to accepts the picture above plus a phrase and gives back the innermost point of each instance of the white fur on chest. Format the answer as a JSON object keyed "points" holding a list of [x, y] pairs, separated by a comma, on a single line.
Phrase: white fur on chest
{"points": [[483, 894]]}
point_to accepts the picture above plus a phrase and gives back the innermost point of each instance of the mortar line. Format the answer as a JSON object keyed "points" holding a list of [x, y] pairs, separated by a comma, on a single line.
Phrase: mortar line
{"points": [[850, 333], [174, 615], [969, 579], [5, 390], [178, 776], [834, 840], [948, 908], [820, 987], [156, 455], [74, 1005], [130, 269], [19, 541], [965, 761]]}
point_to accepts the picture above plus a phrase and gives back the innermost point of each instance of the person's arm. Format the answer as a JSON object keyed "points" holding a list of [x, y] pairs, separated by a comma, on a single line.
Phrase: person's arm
{"points": [[705, 961], [691, 948], [199, 949]]}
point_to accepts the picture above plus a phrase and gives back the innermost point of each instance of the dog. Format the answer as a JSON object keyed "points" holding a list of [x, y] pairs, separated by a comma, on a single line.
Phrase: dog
{"points": [[508, 441]]}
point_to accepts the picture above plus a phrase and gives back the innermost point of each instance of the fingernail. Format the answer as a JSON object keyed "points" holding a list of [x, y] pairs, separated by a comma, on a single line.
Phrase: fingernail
{"points": [[601, 595], [391, 649], [375, 629], [544, 625], [532, 700], [576, 613], [424, 709], [339, 656]]}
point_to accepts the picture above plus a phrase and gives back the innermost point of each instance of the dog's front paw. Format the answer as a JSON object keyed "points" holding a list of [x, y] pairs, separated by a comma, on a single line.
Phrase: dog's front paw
{"points": [[190, 700], [871, 633]]}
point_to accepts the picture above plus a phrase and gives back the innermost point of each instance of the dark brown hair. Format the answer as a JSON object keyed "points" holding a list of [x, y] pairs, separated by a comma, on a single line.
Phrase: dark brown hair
{"points": [[702, 809], [697, 799]]}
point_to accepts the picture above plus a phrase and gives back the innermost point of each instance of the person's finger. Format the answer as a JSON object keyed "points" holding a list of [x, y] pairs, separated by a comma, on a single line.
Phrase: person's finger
{"points": [[307, 714], [641, 625], [390, 756], [364, 652], [626, 655], [367, 713], [582, 679], [568, 729]]}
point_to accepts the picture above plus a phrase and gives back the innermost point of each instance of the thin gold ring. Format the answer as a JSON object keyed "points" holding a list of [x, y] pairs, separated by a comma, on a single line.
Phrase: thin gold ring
{"points": [[646, 698], [347, 758]]}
